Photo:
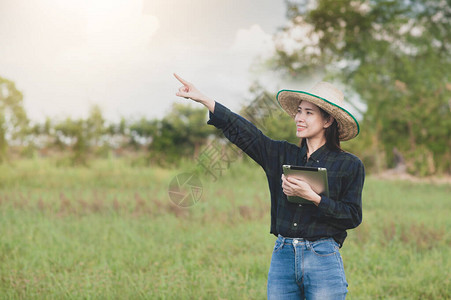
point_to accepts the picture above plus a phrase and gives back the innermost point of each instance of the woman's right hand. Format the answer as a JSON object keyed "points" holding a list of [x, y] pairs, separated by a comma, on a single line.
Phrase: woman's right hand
{"points": [[189, 91]]}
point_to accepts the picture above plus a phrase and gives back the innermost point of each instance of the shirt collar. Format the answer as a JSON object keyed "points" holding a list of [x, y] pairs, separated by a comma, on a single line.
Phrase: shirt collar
{"points": [[319, 154]]}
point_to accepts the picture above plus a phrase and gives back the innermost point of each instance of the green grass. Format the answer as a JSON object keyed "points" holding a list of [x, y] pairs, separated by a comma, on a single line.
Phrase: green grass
{"points": [[111, 232]]}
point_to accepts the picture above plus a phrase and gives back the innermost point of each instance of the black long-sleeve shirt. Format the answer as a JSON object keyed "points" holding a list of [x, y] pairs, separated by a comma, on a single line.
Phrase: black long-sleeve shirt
{"points": [[335, 214]]}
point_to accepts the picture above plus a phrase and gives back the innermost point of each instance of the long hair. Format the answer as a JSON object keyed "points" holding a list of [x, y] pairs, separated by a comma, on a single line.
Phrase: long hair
{"points": [[331, 133]]}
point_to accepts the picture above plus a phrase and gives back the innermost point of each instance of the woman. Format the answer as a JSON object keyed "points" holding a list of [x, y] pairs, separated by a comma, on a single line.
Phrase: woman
{"points": [[306, 263]]}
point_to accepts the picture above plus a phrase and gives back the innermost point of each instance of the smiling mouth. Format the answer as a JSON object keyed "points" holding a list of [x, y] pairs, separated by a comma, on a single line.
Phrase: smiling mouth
{"points": [[299, 128]]}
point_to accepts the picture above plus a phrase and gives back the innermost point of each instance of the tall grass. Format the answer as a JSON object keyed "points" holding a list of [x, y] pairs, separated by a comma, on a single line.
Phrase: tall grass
{"points": [[111, 232]]}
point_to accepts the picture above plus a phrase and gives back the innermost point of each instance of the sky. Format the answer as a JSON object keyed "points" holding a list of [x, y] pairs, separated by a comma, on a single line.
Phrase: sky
{"points": [[66, 56]]}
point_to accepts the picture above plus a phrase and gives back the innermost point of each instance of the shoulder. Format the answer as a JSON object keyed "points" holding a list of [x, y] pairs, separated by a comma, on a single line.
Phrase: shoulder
{"points": [[288, 147], [348, 156], [284, 148], [349, 161]]}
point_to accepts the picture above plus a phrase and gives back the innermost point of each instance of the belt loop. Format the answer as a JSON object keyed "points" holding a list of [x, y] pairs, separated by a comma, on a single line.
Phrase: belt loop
{"points": [[281, 237]]}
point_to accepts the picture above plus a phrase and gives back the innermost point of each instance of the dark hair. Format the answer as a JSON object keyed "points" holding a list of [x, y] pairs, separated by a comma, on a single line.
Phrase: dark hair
{"points": [[331, 133]]}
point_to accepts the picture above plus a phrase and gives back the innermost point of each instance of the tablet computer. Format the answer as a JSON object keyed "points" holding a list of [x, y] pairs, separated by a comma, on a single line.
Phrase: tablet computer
{"points": [[316, 177]]}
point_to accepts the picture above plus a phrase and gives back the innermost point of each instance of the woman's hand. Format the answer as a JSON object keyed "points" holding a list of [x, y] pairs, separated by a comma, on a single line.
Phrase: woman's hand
{"points": [[295, 187], [189, 91]]}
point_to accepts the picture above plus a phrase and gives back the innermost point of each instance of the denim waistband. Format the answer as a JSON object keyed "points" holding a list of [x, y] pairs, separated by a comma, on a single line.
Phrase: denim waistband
{"points": [[300, 240]]}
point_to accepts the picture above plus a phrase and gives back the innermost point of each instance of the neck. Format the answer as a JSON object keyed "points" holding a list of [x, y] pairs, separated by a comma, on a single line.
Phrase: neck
{"points": [[314, 144]]}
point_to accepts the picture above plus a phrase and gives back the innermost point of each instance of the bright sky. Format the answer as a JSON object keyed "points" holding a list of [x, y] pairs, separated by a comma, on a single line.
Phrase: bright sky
{"points": [[67, 55]]}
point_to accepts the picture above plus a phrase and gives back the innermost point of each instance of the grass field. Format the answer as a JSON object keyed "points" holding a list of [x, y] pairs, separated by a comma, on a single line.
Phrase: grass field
{"points": [[111, 232]]}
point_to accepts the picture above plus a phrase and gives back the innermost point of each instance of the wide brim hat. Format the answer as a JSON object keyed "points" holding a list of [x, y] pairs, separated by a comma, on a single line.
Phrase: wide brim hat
{"points": [[327, 97]]}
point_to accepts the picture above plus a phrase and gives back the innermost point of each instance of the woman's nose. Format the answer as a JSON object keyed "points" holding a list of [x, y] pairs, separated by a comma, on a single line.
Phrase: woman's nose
{"points": [[298, 117]]}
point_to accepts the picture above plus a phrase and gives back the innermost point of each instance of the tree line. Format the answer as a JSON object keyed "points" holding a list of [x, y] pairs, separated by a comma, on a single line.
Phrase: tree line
{"points": [[179, 134], [182, 133]]}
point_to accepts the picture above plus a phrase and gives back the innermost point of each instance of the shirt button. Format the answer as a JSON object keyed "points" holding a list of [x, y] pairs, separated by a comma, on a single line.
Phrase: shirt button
{"points": [[295, 224], [300, 205]]}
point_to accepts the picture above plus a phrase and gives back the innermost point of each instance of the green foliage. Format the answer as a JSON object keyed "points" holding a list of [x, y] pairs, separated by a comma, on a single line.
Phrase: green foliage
{"points": [[81, 136], [13, 119], [142, 132], [74, 134], [396, 55], [95, 126], [180, 134]]}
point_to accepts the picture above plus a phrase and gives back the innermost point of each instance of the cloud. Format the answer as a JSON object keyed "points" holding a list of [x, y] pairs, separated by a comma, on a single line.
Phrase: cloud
{"points": [[252, 41]]}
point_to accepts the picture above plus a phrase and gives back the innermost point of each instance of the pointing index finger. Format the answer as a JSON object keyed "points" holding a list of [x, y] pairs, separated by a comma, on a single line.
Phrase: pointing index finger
{"points": [[181, 80]]}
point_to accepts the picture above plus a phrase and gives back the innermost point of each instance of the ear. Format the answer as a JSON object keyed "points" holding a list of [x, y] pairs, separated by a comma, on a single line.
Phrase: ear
{"points": [[328, 122]]}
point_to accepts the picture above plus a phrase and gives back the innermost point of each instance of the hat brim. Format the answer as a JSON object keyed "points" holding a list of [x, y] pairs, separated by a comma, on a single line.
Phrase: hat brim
{"points": [[348, 127]]}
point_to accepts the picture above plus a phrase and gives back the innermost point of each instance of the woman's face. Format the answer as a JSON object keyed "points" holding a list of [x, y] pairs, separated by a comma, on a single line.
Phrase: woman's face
{"points": [[310, 123]]}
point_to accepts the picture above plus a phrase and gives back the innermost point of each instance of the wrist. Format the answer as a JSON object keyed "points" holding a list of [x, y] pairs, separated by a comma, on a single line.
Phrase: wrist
{"points": [[208, 103], [316, 199], [205, 100]]}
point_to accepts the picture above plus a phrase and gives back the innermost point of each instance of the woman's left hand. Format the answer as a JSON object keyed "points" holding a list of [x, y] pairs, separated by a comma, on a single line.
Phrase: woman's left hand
{"points": [[295, 187]]}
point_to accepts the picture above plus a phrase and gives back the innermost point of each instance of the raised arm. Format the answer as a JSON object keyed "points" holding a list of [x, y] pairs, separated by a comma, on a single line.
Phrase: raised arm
{"points": [[235, 128], [189, 91]]}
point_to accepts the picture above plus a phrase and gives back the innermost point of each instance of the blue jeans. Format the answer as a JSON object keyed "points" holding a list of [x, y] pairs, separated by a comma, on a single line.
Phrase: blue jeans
{"points": [[301, 269]]}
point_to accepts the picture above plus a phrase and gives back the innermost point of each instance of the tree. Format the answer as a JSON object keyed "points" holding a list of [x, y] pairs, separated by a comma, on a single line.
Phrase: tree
{"points": [[73, 134], [396, 56], [39, 136], [13, 119], [95, 126], [143, 132], [181, 133], [190, 125]]}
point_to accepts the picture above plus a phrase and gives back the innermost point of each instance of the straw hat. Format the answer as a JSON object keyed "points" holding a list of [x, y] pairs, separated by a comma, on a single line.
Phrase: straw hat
{"points": [[327, 97]]}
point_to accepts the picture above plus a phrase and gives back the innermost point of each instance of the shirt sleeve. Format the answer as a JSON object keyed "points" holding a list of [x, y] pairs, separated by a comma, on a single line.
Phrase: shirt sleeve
{"points": [[244, 134], [347, 212]]}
